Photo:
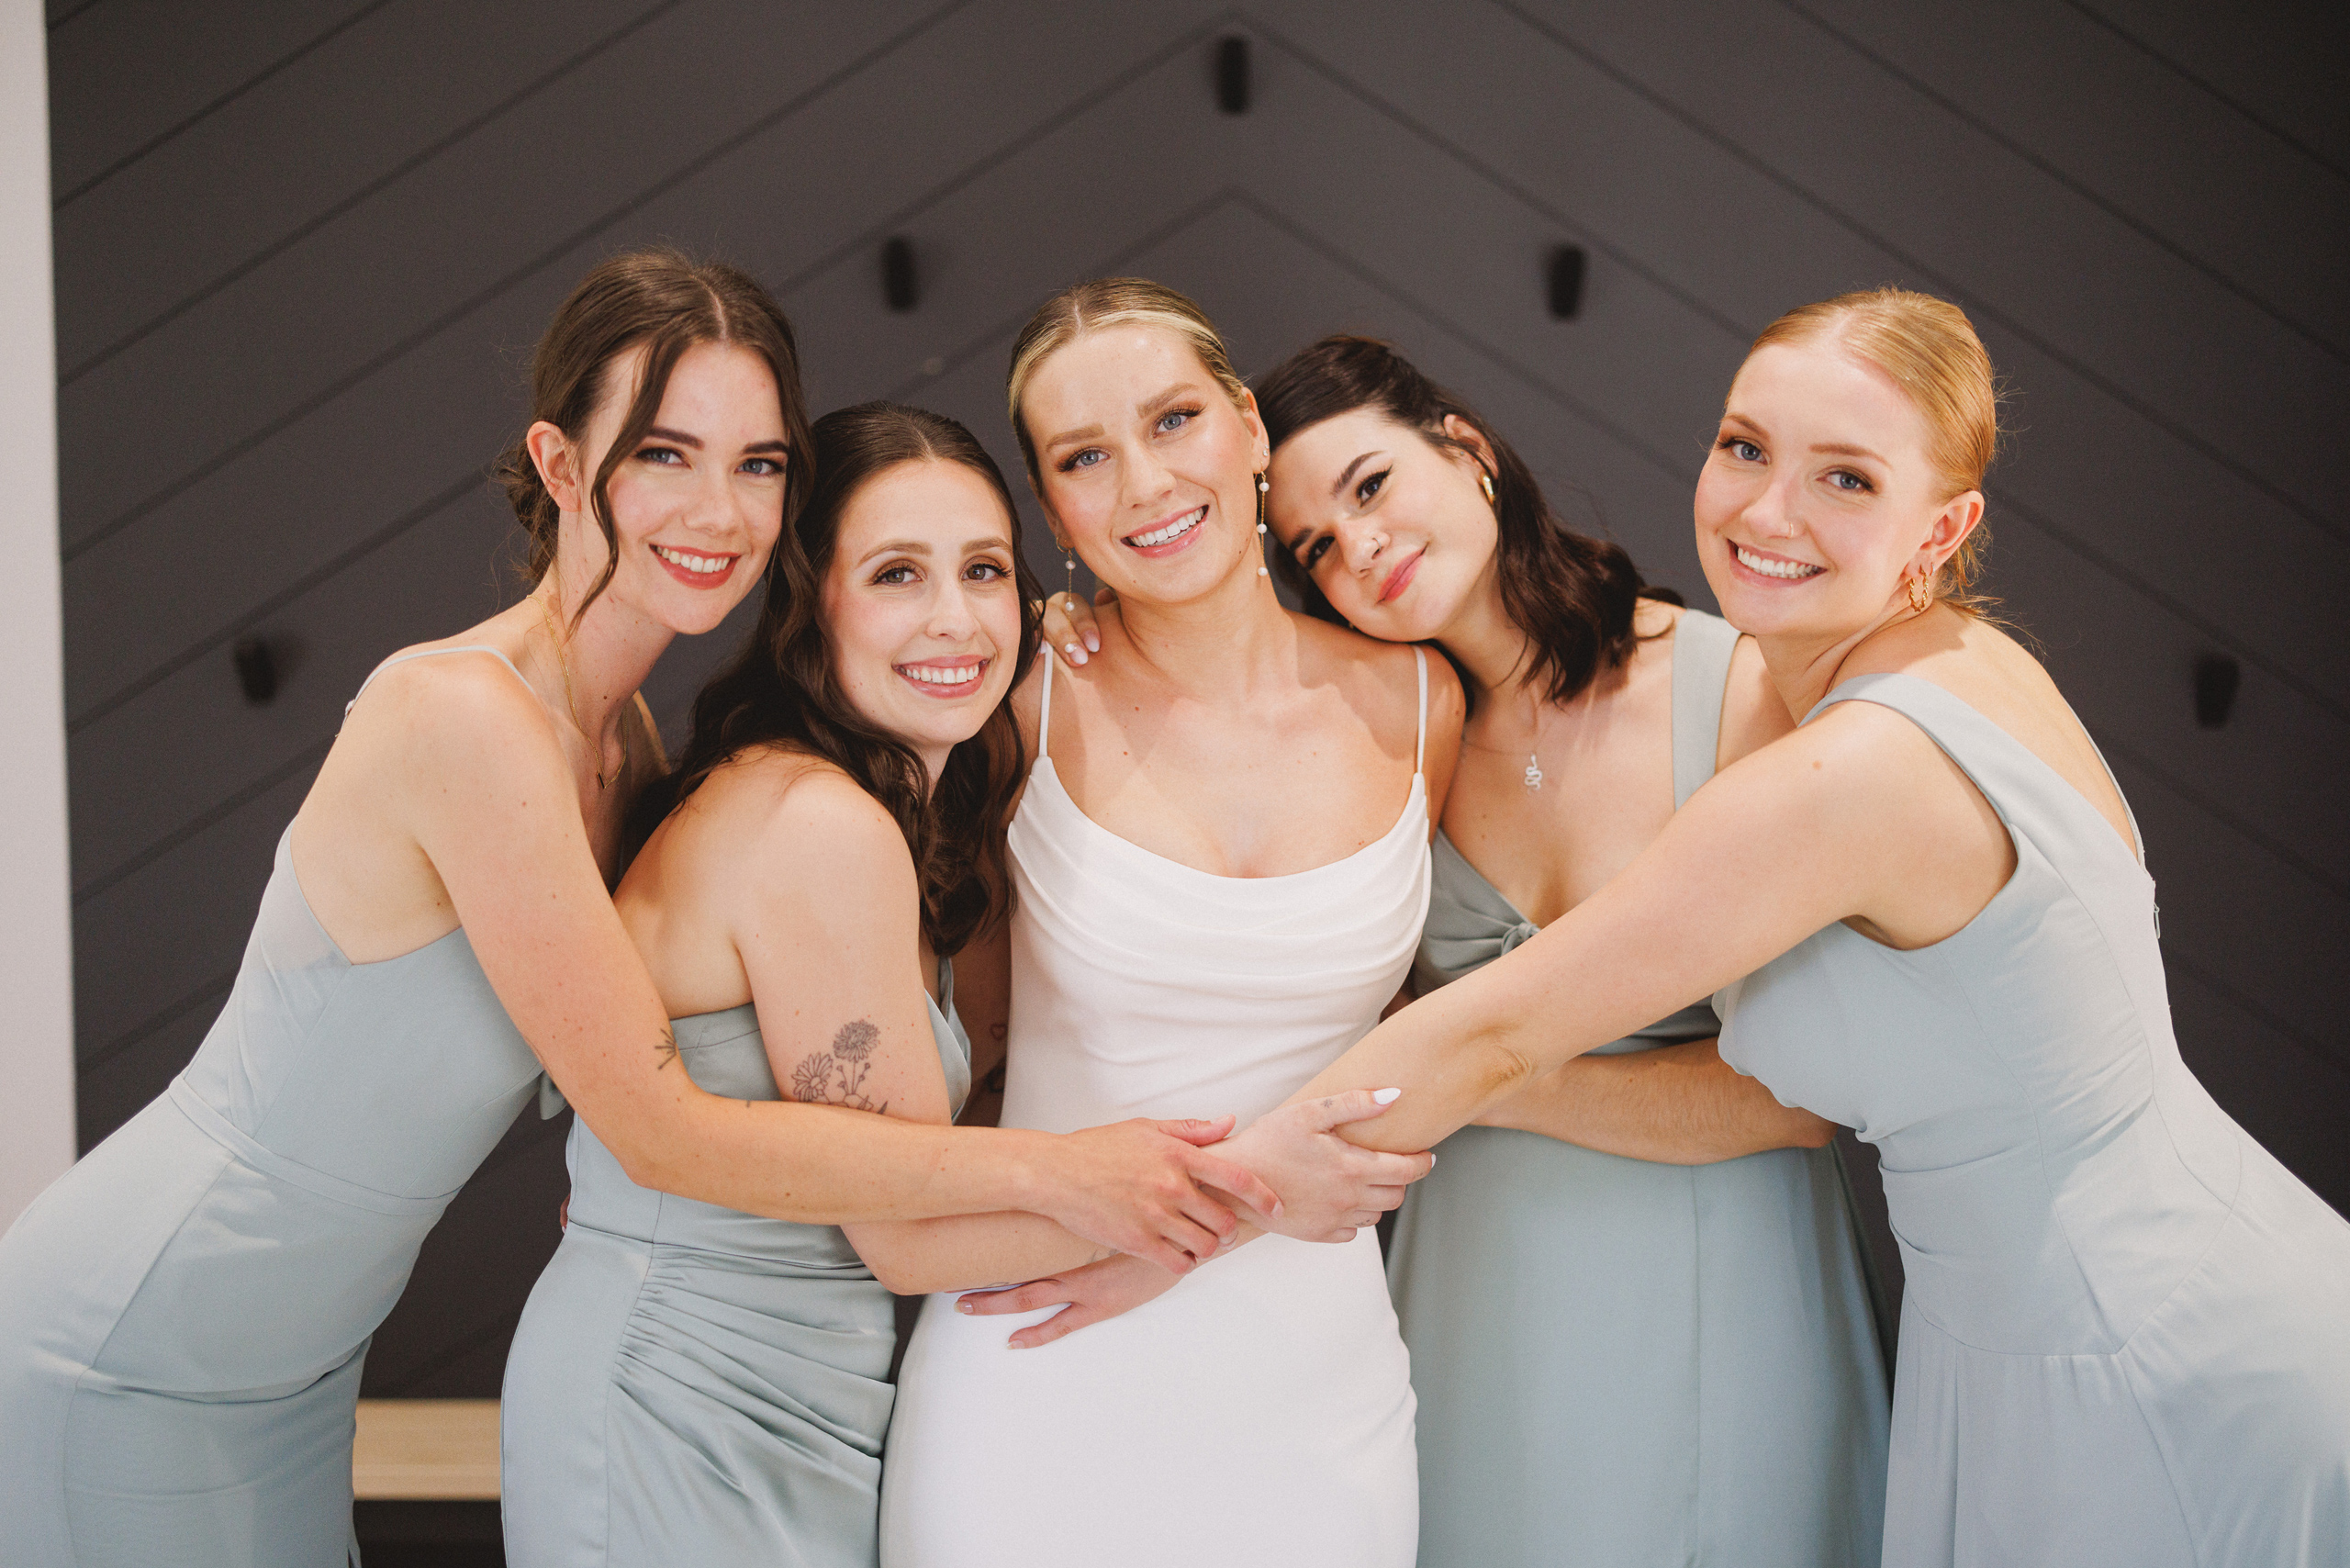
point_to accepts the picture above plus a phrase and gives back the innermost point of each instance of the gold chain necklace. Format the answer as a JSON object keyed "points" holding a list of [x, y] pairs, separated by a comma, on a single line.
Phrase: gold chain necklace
{"points": [[571, 703]]}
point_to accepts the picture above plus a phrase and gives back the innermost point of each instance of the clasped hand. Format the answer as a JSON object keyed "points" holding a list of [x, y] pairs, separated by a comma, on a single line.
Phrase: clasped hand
{"points": [[1329, 1188]]}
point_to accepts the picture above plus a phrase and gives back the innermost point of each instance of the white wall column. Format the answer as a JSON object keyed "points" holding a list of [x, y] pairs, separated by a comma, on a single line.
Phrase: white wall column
{"points": [[36, 905]]}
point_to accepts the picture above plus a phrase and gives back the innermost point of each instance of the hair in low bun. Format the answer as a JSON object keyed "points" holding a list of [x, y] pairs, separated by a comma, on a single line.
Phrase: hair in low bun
{"points": [[1930, 351]]}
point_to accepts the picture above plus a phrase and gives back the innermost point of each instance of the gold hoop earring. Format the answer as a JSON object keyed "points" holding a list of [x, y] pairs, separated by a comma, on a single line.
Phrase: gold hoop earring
{"points": [[1485, 482], [1921, 598]]}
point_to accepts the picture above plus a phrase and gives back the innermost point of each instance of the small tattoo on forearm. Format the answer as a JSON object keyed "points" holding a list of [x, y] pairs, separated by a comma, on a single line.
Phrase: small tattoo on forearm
{"points": [[667, 1048], [836, 1077]]}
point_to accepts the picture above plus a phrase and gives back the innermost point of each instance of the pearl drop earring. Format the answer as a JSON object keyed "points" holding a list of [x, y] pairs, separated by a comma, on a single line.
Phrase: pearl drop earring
{"points": [[1262, 486]]}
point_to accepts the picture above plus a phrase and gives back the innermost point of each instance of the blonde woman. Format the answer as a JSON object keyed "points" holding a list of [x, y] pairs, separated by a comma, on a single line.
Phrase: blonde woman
{"points": [[1222, 861]]}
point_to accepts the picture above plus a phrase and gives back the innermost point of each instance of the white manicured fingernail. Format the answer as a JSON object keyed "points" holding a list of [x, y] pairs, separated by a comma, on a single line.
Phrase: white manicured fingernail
{"points": [[1093, 641], [1386, 1096]]}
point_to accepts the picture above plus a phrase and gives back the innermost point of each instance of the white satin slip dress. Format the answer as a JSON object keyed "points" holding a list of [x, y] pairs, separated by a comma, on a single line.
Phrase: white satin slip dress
{"points": [[1261, 1411]]}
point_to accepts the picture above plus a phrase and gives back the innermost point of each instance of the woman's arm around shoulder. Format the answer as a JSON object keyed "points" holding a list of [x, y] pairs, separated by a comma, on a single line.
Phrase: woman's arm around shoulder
{"points": [[457, 769]]}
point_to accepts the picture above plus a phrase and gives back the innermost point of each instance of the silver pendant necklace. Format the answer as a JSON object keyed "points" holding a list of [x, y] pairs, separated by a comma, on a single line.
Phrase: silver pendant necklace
{"points": [[1533, 759]]}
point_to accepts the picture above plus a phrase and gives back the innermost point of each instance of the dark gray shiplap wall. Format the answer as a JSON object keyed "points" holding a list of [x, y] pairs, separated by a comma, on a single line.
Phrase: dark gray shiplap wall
{"points": [[302, 251]]}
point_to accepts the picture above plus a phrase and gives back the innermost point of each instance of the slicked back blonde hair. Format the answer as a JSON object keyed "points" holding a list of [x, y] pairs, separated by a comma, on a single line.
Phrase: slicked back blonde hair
{"points": [[1096, 306], [1930, 351]]}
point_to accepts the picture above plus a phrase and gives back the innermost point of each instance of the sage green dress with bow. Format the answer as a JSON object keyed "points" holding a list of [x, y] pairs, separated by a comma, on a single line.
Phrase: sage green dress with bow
{"points": [[1625, 1363]]}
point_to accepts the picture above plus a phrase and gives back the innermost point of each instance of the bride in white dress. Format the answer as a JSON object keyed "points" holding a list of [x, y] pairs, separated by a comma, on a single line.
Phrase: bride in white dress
{"points": [[1221, 859]]}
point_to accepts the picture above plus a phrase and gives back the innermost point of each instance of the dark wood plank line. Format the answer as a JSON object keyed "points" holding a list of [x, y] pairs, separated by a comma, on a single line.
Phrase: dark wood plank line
{"points": [[2217, 93], [215, 105], [1926, 272], [1959, 111], [389, 177]]}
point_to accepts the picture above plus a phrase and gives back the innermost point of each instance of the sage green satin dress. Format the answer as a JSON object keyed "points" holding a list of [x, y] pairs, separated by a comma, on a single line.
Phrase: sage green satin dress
{"points": [[185, 1314], [691, 1384], [1623, 1364], [2125, 1335]]}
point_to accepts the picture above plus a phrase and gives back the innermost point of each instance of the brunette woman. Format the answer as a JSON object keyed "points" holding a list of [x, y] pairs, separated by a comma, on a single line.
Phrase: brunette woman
{"points": [[2125, 1339], [695, 1385], [185, 1314], [1639, 1279]]}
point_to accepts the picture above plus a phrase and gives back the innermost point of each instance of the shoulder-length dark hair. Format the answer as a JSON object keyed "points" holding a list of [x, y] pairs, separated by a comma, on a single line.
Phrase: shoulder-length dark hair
{"points": [[1571, 595], [782, 689], [669, 302]]}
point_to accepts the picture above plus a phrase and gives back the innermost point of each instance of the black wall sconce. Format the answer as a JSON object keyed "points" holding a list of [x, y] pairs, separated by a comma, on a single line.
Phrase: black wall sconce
{"points": [[2217, 676], [256, 669], [1232, 74], [899, 285], [1564, 282]]}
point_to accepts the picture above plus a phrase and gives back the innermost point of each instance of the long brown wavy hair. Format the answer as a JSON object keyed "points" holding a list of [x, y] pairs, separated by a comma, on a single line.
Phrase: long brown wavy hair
{"points": [[669, 302], [782, 689], [1574, 595]]}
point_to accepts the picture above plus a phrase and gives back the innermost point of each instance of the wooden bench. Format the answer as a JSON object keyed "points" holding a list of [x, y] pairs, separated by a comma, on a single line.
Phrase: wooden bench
{"points": [[426, 1449]]}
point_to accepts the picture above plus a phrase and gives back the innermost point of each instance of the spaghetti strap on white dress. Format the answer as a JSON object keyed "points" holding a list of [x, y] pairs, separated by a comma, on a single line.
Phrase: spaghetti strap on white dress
{"points": [[1261, 1411]]}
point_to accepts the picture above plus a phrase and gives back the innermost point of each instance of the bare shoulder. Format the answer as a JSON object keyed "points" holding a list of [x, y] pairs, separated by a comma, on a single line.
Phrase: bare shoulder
{"points": [[784, 808], [1344, 657], [1655, 621], [462, 730], [793, 829], [462, 695], [1984, 667]]}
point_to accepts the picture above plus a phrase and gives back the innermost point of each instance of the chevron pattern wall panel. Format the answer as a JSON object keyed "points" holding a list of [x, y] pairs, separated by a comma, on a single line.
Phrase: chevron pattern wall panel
{"points": [[303, 250]]}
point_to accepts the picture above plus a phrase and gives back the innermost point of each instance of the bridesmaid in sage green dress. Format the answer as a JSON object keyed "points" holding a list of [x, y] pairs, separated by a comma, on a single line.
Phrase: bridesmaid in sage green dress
{"points": [[694, 1384], [1636, 1299], [1638, 1308]]}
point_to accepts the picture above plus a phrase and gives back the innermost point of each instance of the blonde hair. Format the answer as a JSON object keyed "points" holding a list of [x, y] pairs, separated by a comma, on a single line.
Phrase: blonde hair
{"points": [[1096, 305], [1929, 349]]}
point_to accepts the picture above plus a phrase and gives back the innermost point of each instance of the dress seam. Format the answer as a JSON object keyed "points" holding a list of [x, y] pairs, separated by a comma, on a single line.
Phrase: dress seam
{"points": [[98, 1351], [2170, 1471]]}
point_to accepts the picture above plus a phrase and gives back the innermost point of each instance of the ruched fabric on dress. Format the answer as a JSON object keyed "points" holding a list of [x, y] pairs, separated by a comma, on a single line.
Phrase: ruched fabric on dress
{"points": [[693, 1384]]}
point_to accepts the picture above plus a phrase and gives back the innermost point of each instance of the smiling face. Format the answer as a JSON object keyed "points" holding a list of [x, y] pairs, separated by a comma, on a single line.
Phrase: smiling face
{"points": [[695, 508], [1395, 530], [920, 607], [1819, 497], [1145, 467]]}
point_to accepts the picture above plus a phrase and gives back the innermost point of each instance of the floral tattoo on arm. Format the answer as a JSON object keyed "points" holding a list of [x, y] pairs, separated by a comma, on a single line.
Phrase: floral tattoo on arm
{"points": [[836, 1077]]}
